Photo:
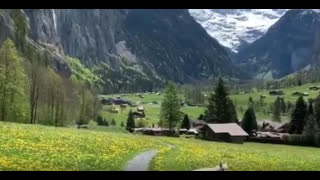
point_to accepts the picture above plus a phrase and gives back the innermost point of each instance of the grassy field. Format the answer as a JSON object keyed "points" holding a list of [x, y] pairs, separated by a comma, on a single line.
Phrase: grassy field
{"points": [[41, 148], [35, 147], [243, 99], [152, 113], [191, 154]]}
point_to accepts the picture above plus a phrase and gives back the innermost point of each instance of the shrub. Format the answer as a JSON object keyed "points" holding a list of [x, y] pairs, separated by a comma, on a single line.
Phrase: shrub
{"points": [[296, 139], [92, 124], [140, 123]]}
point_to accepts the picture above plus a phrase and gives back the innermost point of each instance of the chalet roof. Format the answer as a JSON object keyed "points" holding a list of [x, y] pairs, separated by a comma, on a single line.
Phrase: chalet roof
{"points": [[231, 128], [200, 122], [140, 108]]}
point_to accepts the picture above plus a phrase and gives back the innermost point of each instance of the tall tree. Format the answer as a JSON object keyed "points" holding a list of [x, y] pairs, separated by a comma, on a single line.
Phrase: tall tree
{"points": [[251, 101], [233, 112], [283, 105], [186, 123], [12, 83], [317, 110], [219, 109], [249, 121], [86, 109], [310, 109], [298, 117], [130, 122], [311, 130], [194, 95], [170, 113], [276, 112], [36, 83]]}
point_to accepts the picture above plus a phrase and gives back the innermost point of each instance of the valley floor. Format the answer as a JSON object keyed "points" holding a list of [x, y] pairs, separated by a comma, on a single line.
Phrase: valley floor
{"points": [[35, 147], [151, 103]]}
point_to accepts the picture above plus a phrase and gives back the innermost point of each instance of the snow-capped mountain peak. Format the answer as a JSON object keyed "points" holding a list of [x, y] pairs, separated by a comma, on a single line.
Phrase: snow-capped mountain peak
{"points": [[235, 27]]}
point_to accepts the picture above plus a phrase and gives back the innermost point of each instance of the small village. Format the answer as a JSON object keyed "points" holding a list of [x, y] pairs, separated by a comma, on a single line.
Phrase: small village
{"points": [[267, 132]]}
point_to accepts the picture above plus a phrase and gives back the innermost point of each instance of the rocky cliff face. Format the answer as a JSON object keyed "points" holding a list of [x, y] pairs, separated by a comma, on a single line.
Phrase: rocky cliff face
{"points": [[143, 47], [86, 34], [10, 27], [287, 47], [154, 44]]}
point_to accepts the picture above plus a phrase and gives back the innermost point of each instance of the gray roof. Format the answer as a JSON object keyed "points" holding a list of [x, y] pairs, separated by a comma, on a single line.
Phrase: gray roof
{"points": [[231, 128]]}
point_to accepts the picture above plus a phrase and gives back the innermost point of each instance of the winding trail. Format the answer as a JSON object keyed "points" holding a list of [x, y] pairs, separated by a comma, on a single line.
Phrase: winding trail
{"points": [[141, 162]]}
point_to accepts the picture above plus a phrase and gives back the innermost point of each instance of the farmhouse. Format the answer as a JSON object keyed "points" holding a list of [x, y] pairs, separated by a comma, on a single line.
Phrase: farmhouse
{"points": [[300, 94], [152, 131], [140, 109], [198, 124], [117, 101], [138, 115], [314, 88], [228, 132], [276, 92]]}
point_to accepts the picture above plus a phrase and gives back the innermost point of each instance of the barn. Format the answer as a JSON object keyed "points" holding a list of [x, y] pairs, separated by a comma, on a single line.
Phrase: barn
{"points": [[228, 132]]}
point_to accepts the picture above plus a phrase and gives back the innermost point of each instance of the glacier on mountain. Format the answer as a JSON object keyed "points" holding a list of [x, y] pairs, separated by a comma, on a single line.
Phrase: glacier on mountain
{"points": [[235, 27]]}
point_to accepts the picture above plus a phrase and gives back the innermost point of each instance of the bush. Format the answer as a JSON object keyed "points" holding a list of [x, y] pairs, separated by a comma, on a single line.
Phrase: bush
{"points": [[317, 139], [113, 122], [296, 139], [140, 123], [92, 124]]}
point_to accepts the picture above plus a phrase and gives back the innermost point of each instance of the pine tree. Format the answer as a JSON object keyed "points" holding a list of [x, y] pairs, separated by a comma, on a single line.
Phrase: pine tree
{"points": [[186, 124], [310, 109], [113, 122], [233, 112], [100, 120], [283, 105], [251, 101], [201, 117], [299, 82], [298, 117], [219, 109], [310, 130], [130, 122], [317, 110], [261, 101], [170, 114], [249, 121], [276, 115], [122, 124], [210, 114]]}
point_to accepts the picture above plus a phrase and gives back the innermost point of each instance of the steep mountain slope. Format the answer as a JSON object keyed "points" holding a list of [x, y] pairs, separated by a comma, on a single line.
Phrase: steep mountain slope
{"points": [[132, 49], [287, 47], [236, 28], [174, 44]]}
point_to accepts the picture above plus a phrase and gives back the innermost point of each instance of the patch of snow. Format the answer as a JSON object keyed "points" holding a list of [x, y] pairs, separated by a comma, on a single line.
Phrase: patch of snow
{"points": [[233, 26]]}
